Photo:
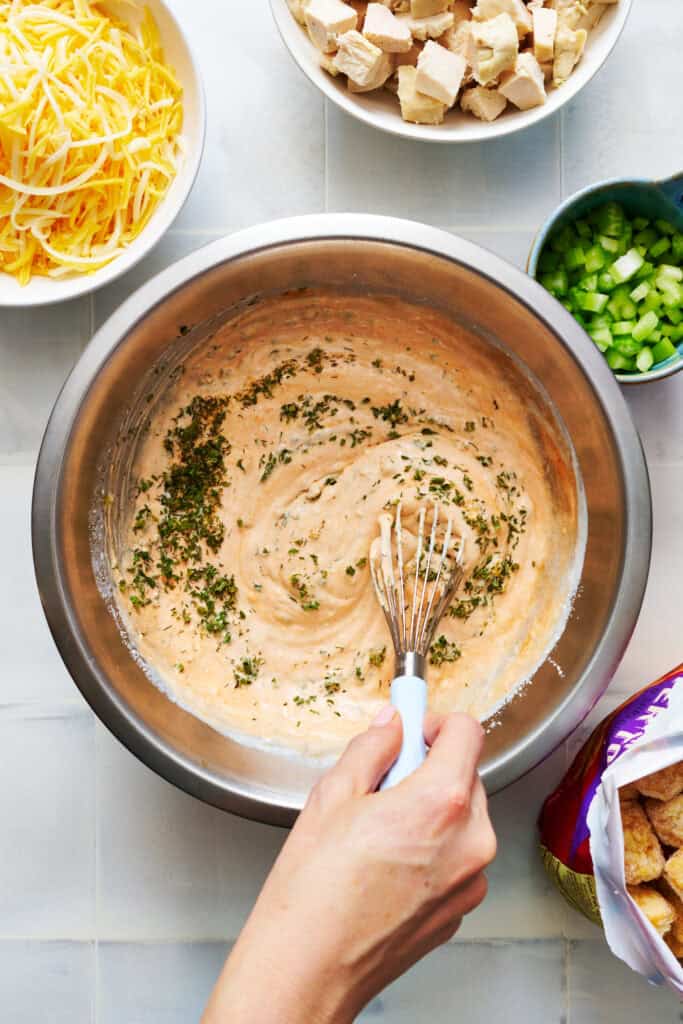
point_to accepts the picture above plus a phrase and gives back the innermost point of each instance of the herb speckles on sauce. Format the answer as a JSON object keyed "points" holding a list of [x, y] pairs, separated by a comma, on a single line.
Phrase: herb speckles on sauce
{"points": [[245, 577]]}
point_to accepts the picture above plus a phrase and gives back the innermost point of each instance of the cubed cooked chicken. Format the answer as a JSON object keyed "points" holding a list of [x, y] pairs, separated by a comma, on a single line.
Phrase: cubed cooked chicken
{"points": [[428, 28], [518, 11], [425, 8], [384, 29], [569, 46], [415, 106], [361, 61], [326, 20], [524, 86], [488, 53], [494, 47], [440, 73], [486, 104], [544, 22]]}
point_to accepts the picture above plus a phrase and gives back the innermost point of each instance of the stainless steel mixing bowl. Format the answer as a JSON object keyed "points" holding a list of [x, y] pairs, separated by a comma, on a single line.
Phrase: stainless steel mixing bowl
{"points": [[349, 252]]}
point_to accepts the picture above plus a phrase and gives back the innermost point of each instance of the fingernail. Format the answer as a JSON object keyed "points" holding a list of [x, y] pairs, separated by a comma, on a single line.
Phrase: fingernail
{"points": [[385, 716]]}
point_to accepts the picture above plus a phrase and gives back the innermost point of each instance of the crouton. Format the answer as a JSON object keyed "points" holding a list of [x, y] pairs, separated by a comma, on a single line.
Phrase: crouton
{"points": [[643, 857]]}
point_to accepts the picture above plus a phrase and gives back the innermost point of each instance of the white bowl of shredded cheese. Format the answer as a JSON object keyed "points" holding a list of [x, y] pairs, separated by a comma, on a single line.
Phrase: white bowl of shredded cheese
{"points": [[101, 146]]}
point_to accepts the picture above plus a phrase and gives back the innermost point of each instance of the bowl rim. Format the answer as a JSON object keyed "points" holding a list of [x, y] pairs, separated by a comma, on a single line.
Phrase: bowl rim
{"points": [[161, 756], [478, 132], [85, 284], [667, 368]]}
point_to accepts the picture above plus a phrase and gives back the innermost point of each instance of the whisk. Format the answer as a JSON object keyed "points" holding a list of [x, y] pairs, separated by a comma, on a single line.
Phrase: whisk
{"points": [[414, 590]]}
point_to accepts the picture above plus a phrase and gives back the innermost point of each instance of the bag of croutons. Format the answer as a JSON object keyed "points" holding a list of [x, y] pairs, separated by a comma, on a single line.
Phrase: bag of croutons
{"points": [[612, 831]]}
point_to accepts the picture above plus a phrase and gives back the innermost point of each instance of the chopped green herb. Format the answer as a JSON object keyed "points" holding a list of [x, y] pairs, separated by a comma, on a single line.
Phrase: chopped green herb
{"points": [[443, 650]]}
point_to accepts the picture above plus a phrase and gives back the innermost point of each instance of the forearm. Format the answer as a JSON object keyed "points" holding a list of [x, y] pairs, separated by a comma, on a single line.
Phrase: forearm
{"points": [[272, 978]]}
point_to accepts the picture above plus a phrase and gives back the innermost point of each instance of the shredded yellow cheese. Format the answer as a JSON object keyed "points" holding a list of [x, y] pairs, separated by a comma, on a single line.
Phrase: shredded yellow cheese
{"points": [[90, 118]]}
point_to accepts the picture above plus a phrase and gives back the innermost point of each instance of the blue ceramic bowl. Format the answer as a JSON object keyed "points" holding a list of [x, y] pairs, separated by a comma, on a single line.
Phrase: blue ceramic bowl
{"points": [[640, 198]]}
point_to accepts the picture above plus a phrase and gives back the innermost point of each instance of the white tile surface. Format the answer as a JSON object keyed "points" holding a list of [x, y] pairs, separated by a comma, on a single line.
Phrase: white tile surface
{"points": [[47, 810], [656, 645], [265, 126], [93, 846], [155, 984], [37, 350], [32, 668], [449, 186], [482, 983], [47, 983], [602, 990], [521, 900], [169, 866], [620, 126]]}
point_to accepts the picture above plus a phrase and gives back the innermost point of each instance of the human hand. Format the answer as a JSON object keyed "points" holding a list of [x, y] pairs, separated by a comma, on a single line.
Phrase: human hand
{"points": [[367, 882]]}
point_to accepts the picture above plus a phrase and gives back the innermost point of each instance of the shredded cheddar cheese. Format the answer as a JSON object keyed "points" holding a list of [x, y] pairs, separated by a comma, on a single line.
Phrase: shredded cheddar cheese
{"points": [[90, 118]]}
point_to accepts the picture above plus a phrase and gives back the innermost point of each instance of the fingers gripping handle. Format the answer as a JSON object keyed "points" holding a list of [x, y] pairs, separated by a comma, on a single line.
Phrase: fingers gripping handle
{"points": [[409, 697]]}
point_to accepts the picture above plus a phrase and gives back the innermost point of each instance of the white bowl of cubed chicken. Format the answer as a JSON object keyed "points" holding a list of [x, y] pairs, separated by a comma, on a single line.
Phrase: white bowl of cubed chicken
{"points": [[450, 70]]}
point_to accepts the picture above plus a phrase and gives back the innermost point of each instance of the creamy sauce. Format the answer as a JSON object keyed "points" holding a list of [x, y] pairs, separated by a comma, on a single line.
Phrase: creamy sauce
{"points": [[244, 578]]}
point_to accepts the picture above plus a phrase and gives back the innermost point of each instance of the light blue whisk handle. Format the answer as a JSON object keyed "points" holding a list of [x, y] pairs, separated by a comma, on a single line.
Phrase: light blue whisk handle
{"points": [[409, 697]]}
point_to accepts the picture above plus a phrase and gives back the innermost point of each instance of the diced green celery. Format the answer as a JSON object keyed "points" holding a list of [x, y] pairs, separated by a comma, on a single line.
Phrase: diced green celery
{"points": [[647, 237], [640, 222], [602, 337], [610, 245], [672, 293], [652, 301], [660, 247], [606, 282], [667, 270], [616, 361], [645, 326], [574, 258], [556, 282], [674, 315], [644, 359], [677, 246], [610, 219], [548, 260], [588, 283], [664, 349], [626, 345], [564, 239], [626, 266], [595, 259], [665, 227], [593, 302], [639, 292], [677, 334], [645, 271], [583, 229], [629, 310], [623, 326], [655, 336], [601, 320]]}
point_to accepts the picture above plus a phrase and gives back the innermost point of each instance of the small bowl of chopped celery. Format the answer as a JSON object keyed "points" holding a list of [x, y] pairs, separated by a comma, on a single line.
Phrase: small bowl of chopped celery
{"points": [[613, 256]]}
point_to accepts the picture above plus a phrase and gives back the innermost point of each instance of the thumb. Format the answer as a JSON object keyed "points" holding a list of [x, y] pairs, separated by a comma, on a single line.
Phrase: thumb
{"points": [[370, 755]]}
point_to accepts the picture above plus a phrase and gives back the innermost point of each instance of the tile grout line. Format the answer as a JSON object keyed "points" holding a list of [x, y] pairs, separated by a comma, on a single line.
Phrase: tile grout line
{"points": [[566, 980], [96, 975]]}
